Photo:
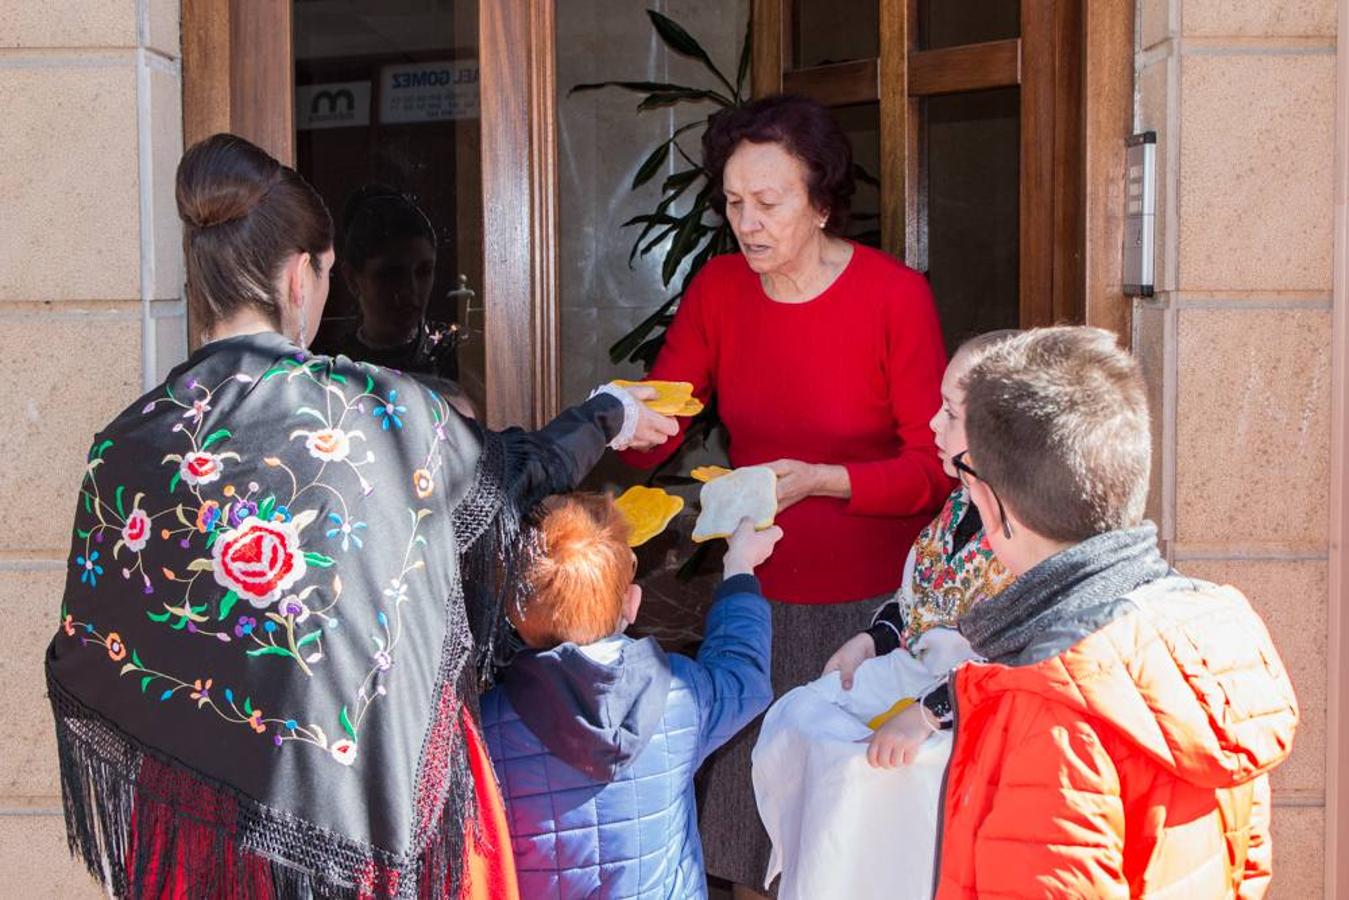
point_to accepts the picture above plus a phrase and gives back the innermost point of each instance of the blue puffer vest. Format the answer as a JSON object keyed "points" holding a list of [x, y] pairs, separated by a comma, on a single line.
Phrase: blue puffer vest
{"points": [[595, 748]]}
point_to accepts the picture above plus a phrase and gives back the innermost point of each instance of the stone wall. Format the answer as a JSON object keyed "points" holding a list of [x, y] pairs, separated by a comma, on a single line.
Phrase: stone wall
{"points": [[90, 315], [1237, 341]]}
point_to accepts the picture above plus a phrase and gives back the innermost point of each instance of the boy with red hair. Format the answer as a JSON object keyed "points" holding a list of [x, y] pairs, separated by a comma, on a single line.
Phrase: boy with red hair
{"points": [[596, 736]]}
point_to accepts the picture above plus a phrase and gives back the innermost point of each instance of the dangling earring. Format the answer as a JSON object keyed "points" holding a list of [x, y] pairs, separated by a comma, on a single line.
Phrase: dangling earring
{"points": [[304, 329]]}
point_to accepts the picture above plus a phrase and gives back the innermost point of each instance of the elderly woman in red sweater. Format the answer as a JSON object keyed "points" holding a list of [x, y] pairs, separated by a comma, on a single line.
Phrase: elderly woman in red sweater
{"points": [[826, 360]]}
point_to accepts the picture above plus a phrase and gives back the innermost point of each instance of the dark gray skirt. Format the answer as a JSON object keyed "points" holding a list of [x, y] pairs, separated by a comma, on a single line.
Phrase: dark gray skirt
{"points": [[735, 845]]}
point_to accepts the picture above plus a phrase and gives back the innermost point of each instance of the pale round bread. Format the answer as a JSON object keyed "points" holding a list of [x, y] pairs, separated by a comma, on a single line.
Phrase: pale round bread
{"points": [[747, 493]]}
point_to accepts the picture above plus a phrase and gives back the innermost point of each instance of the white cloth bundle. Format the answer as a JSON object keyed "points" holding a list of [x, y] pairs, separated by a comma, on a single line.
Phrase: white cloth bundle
{"points": [[839, 827]]}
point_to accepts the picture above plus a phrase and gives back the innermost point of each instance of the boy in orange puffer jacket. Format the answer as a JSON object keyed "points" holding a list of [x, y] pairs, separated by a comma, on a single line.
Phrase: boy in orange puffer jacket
{"points": [[1118, 740]]}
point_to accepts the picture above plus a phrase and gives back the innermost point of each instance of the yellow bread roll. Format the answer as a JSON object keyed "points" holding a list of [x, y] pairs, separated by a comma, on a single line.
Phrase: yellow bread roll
{"points": [[648, 510], [672, 397]]}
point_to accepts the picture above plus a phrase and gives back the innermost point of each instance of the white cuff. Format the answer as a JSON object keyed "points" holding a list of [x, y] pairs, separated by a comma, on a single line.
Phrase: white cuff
{"points": [[632, 410]]}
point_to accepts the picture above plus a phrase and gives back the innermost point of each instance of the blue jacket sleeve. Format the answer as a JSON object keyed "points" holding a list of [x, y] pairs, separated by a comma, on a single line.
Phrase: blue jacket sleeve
{"points": [[731, 679]]}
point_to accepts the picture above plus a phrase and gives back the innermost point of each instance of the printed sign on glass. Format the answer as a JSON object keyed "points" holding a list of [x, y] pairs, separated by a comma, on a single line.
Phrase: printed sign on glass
{"points": [[428, 92], [340, 104]]}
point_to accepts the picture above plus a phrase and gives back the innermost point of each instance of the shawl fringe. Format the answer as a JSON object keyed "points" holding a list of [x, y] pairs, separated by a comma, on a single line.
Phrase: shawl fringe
{"points": [[148, 826]]}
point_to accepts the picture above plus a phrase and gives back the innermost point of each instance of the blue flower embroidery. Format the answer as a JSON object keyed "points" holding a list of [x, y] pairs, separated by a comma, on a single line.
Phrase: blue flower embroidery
{"points": [[347, 530], [389, 412], [91, 569]]}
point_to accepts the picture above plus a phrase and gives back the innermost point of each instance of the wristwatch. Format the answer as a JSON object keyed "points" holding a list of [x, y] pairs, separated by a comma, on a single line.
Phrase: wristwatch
{"points": [[937, 700]]}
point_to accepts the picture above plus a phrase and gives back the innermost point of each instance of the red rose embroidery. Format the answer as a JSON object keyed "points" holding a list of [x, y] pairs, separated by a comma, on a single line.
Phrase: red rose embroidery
{"points": [[136, 532], [200, 468], [258, 560]]}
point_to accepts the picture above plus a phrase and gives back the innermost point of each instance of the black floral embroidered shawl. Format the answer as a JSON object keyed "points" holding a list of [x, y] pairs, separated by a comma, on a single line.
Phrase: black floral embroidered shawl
{"points": [[265, 652]]}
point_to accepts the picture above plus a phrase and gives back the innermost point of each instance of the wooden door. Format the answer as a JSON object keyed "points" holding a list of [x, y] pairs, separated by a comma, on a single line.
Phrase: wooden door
{"points": [[1070, 141], [240, 72]]}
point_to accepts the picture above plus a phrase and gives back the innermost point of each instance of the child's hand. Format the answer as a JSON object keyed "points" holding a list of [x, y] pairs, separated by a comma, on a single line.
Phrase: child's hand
{"points": [[858, 649], [896, 742], [747, 548]]}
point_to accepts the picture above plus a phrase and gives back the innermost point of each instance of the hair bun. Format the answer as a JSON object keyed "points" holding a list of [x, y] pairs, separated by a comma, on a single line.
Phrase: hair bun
{"points": [[221, 179]]}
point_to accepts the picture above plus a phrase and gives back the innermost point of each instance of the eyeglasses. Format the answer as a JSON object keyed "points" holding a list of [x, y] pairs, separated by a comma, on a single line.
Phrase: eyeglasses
{"points": [[964, 469]]}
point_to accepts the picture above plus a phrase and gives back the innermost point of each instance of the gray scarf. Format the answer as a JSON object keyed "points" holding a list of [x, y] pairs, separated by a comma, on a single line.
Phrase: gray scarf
{"points": [[1065, 598]]}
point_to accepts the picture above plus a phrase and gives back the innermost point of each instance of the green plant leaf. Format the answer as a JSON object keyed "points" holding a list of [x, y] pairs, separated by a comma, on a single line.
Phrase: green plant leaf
{"points": [[681, 179], [136, 660], [662, 99], [743, 69], [685, 241], [248, 706], [226, 604], [625, 345], [680, 41], [639, 87], [269, 650], [117, 499], [651, 165], [158, 617], [346, 724], [662, 209], [660, 236], [310, 637], [649, 217], [860, 173], [318, 560], [691, 565], [266, 508], [145, 682], [173, 482], [646, 353]]}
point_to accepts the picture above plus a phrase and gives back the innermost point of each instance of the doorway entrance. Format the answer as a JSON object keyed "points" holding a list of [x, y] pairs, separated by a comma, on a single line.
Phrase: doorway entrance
{"points": [[992, 135]]}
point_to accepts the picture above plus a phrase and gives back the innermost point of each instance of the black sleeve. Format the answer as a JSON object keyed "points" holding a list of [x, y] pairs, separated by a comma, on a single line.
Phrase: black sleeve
{"points": [[887, 627], [559, 455], [938, 702]]}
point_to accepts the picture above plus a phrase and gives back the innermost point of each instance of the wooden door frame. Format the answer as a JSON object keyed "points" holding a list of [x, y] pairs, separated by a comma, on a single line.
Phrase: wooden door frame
{"points": [[237, 76], [1083, 87]]}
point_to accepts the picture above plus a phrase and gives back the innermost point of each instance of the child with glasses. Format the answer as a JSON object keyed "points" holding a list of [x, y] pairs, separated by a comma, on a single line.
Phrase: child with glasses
{"points": [[1116, 737], [818, 727]]}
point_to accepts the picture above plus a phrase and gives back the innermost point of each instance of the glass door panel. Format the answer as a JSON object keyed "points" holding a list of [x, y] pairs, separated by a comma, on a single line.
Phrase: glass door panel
{"points": [[951, 23], [972, 156], [833, 31], [387, 130]]}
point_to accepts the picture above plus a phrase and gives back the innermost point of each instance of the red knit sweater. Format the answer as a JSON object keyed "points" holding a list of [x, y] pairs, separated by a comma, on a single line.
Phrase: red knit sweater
{"points": [[850, 378]]}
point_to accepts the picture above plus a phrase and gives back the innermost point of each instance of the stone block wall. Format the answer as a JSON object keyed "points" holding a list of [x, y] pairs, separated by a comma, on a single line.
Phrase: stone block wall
{"points": [[1237, 341], [90, 315]]}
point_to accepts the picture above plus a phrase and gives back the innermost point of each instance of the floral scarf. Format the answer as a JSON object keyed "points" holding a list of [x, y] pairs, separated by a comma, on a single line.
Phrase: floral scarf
{"points": [[949, 574], [265, 660]]}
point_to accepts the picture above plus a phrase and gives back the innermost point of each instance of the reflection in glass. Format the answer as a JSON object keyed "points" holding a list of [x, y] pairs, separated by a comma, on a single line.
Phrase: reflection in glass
{"points": [[950, 23], [973, 159], [387, 130], [831, 31], [862, 124]]}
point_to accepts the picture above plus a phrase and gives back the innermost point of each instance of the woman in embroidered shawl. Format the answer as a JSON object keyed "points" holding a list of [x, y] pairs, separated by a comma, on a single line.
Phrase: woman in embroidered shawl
{"points": [[287, 584]]}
